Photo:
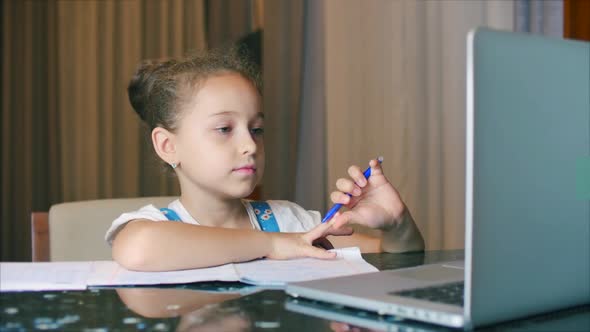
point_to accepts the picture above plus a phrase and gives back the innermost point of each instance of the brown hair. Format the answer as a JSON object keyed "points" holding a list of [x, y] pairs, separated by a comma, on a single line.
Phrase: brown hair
{"points": [[158, 88]]}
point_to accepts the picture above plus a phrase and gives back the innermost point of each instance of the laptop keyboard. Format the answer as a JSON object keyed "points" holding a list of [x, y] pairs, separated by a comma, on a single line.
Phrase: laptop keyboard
{"points": [[447, 293]]}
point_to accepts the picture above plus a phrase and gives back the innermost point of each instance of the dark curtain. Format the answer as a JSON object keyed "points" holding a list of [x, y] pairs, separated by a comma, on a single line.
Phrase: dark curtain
{"points": [[283, 72], [68, 131]]}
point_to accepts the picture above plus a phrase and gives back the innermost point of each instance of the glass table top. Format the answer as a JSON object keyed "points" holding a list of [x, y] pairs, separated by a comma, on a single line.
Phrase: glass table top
{"points": [[223, 306]]}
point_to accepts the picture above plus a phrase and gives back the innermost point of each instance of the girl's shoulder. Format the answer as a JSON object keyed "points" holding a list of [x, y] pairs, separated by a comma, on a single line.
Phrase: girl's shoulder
{"points": [[148, 212]]}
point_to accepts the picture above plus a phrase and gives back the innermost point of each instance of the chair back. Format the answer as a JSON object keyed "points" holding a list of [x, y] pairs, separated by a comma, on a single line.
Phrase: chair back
{"points": [[77, 229]]}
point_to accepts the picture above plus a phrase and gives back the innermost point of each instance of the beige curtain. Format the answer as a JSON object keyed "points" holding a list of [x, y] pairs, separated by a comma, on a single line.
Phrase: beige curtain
{"points": [[69, 132], [100, 138], [395, 86]]}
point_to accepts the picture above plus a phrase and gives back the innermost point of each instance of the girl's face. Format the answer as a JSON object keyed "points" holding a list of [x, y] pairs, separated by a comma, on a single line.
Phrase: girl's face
{"points": [[219, 141]]}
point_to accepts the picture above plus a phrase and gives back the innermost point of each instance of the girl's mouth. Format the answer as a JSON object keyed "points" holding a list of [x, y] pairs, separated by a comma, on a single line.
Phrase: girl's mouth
{"points": [[245, 170]]}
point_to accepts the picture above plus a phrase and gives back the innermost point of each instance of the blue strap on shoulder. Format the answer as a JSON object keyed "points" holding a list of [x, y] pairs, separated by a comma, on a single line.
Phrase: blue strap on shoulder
{"points": [[170, 214], [266, 219]]}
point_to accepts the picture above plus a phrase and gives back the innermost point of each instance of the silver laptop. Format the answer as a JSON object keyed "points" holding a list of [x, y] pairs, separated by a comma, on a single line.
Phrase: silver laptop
{"points": [[527, 221]]}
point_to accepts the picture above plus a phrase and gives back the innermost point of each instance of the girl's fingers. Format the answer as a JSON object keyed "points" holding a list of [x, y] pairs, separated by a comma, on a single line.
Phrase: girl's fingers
{"points": [[341, 231], [344, 218], [357, 176], [317, 232], [338, 231], [348, 186], [375, 167], [315, 252], [325, 229], [339, 197]]}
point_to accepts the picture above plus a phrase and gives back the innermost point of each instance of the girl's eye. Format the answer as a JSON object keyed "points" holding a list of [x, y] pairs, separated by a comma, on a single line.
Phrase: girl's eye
{"points": [[223, 130], [257, 131]]}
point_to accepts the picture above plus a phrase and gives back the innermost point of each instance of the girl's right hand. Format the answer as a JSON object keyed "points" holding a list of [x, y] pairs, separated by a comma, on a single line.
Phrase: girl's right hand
{"points": [[294, 245]]}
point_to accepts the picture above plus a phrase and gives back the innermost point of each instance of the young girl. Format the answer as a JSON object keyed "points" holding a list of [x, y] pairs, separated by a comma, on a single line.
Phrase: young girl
{"points": [[206, 122]]}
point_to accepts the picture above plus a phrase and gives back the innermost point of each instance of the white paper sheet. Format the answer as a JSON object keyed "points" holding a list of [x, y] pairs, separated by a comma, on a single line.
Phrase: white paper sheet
{"points": [[44, 276], [278, 273], [109, 273], [79, 275]]}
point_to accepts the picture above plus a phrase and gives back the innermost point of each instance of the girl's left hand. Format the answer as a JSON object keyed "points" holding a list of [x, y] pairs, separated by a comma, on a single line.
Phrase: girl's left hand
{"points": [[374, 202]]}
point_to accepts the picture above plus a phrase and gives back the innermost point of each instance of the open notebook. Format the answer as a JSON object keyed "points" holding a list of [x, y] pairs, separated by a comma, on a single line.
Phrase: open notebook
{"points": [[267, 273]]}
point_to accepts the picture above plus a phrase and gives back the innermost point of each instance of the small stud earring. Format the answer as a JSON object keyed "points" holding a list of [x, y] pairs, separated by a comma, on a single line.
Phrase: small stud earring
{"points": [[173, 165]]}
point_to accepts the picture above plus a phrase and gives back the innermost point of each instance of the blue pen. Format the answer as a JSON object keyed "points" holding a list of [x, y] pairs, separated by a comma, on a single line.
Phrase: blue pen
{"points": [[337, 206]]}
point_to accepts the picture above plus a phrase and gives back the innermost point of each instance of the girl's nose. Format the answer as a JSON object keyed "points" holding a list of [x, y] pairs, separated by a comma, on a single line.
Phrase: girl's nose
{"points": [[248, 144]]}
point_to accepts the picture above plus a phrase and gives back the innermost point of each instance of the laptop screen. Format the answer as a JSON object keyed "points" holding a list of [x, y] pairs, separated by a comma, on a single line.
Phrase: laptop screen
{"points": [[527, 227]]}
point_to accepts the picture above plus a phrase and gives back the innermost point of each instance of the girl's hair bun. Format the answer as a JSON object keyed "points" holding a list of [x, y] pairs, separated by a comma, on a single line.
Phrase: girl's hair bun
{"points": [[146, 75]]}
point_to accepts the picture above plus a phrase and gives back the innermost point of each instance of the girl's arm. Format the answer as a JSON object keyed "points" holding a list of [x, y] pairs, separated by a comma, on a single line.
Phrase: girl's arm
{"points": [[145, 245], [402, 236]]}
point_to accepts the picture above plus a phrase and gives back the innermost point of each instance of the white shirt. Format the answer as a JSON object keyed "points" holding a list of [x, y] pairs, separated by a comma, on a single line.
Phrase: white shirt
{"points": [[290, 217]]}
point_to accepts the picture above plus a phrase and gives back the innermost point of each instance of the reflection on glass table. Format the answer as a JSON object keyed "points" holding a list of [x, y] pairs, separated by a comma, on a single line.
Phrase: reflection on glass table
{"points": [[191, 307], [348, 319]]}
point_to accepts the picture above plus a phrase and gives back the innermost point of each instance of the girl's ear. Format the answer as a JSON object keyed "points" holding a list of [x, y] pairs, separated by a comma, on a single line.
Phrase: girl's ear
{"points": [[164, 144]]}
